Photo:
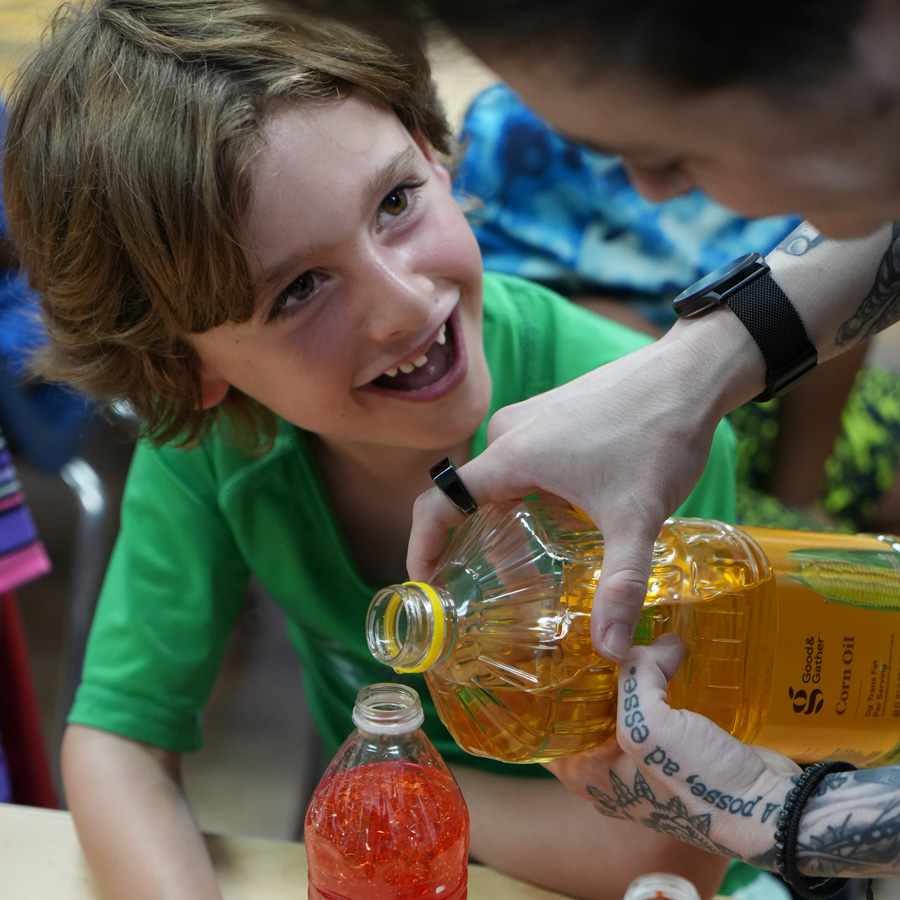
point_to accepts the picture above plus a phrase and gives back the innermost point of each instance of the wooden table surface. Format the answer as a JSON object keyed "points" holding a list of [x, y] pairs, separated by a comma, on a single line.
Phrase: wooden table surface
{"points": [[40, 859]]}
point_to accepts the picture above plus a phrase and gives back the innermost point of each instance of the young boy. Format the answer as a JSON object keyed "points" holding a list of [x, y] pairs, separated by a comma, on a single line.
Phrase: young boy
{"points": [[242, 228]]}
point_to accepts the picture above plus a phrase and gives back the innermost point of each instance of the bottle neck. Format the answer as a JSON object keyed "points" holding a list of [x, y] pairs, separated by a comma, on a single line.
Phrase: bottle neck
{"points": [[387, 708], [661, 886], [411, 626]]}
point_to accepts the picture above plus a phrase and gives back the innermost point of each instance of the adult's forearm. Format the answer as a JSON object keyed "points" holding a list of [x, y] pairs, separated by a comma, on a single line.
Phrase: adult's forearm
{"points": [[851, 825], [559, 841], [845, 291], [133, 821], [716, 360]]}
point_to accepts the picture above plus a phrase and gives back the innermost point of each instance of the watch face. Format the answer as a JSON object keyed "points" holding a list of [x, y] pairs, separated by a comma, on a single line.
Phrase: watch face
{"points": [[712, 289]]}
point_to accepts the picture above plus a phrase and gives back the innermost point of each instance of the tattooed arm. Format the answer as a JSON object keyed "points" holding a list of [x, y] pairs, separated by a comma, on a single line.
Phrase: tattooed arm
{"points": [[694, 781], [845, 291], [852, 825]]}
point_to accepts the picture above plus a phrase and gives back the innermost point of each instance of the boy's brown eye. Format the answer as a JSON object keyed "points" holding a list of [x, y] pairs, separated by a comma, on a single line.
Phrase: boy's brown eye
{"points": [[294, 295], [396, 202], [301, 287]]}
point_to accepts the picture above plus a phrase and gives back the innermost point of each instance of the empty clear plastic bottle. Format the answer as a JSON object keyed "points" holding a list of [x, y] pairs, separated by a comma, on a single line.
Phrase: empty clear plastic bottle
{"points": [[387, 821], [789, 635]]}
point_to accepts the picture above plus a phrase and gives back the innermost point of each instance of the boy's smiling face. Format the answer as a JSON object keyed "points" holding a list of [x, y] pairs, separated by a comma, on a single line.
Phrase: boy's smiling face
{"points": [[368, 320]]}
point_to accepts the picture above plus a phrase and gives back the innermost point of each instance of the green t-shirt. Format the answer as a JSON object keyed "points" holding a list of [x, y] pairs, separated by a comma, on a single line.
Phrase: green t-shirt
{"points": [[195, 524]]}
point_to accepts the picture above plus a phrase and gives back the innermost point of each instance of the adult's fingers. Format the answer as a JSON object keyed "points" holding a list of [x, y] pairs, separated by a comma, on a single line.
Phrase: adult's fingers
{"points": [[622, 587], [433, 518], [645, 718], [647, 668], [492, 476], [687, 739]]}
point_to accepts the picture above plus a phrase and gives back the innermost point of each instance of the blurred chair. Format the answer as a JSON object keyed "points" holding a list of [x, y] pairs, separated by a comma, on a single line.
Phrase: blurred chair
{"points": [[27, 771], [46, 426], [25, 749]]}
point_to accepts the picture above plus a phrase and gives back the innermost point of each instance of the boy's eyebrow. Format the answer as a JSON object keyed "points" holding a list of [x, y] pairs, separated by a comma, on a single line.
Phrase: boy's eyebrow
{"points": [[386, 177], [279, 274], [394, 171]]}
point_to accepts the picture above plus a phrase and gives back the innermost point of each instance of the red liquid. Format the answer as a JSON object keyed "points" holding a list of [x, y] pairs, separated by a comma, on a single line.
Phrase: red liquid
{"points": [[387, 831]]}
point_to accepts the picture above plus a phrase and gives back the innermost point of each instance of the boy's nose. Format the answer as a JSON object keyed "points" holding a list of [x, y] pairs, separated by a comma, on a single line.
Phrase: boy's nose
{"points": [[400, 297]]}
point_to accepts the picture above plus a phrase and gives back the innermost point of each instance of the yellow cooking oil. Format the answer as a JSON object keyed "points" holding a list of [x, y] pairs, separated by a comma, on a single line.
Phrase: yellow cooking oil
{"points": [[789, 636]]}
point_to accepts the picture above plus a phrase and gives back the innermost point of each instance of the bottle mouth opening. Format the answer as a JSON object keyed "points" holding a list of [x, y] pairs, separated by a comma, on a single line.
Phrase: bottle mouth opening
{"points": [[387, 708], [655, 885], [406, 626]]}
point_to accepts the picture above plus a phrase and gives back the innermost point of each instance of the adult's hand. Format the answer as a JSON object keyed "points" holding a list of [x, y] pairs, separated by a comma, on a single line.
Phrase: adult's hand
{"points": [[625, 443], [731, 793], [694, 777], [677, 772]]}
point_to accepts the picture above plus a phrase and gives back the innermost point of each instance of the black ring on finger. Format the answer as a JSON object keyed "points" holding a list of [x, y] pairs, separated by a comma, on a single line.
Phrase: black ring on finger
{"points": [[445, 476]]}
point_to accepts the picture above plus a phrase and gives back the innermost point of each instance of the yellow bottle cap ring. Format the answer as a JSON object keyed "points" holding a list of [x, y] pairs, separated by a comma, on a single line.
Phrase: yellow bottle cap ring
{"points": [[437, 632]]}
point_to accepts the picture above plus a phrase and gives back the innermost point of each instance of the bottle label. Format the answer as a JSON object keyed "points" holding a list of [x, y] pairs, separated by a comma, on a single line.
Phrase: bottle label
{"points": [[836, 677]]}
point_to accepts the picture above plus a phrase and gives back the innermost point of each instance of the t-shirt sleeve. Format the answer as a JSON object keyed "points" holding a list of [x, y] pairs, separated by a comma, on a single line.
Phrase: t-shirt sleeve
{"points": [[174, 586]]}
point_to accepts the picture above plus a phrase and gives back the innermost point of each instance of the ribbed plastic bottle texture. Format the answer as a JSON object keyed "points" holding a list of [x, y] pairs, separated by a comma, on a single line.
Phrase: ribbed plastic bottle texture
{"points": [[789, 635], [387, 821]]}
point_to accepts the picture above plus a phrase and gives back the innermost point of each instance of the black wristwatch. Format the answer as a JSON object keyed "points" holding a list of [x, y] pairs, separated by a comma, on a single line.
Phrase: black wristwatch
{"points": [[748, 289]]}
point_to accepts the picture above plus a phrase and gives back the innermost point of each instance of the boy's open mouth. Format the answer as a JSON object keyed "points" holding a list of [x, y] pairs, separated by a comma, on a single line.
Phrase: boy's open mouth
{"points": [[429, 368]]}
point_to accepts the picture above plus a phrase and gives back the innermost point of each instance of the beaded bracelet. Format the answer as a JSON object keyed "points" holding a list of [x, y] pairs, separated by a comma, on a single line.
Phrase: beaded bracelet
{"points": [[788, 830]]}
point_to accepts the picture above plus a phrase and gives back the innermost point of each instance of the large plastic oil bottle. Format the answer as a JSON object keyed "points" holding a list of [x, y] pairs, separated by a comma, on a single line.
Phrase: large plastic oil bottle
{"points": [[791, 637]]}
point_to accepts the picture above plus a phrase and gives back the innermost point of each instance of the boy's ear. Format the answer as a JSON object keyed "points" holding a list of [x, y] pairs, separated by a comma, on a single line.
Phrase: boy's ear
{"points": [[213, 388], [428, 152]]}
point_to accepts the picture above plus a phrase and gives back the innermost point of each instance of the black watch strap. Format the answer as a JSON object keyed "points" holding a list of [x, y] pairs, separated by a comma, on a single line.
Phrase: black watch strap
{"points": [[770, 317]]}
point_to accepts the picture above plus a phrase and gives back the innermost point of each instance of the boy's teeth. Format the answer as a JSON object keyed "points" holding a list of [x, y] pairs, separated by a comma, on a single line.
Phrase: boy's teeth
{"points": [[417, 363]]}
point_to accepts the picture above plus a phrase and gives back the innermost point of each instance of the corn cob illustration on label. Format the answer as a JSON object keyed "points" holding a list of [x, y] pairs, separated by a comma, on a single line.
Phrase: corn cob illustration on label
{"points": [[864, 578]]}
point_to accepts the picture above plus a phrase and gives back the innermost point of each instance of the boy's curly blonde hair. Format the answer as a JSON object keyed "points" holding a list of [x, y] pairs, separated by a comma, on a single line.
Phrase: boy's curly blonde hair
{"points": [[127, 180]]}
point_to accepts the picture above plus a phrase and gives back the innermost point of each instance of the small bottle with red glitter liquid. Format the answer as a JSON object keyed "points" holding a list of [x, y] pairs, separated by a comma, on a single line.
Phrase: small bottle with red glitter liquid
{"points": [[388, 820]]}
